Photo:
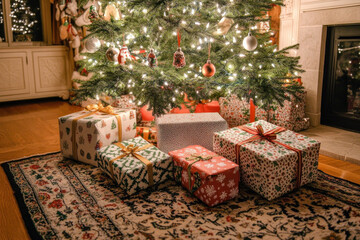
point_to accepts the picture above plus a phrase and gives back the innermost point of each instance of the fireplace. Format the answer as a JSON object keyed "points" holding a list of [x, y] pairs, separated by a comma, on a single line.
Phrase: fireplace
{"points": [[340, 105]]}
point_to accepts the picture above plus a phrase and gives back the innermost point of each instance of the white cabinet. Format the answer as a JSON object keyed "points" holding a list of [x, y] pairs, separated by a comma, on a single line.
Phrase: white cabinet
{"points": [[34, 72]]}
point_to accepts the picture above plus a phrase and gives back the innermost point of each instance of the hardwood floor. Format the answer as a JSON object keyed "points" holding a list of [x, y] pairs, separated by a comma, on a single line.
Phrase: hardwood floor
{"points": [[31, 127]]}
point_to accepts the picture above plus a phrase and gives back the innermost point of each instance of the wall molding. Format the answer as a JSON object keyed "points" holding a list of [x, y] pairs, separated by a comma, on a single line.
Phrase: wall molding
{"points": [[315, 5]]}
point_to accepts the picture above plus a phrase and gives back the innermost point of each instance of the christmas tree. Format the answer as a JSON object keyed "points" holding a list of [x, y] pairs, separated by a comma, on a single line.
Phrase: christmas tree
{"points": [[25, 18], [161, 51]]}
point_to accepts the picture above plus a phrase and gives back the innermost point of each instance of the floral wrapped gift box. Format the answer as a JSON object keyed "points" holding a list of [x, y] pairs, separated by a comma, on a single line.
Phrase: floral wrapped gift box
{"points": [[210, 177], [135, 164], [84, 132], [273, 161]]}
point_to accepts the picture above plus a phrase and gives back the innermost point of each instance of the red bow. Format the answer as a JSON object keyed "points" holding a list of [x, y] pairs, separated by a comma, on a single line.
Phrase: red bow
{"points": [[270, 136]]}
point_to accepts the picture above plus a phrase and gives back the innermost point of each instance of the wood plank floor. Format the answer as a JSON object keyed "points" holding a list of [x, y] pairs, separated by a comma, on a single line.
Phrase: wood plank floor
{"points": [[31, 127]]}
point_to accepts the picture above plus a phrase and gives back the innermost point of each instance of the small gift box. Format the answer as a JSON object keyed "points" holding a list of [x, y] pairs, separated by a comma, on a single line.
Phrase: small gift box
{"points": [[272, 160], [210, 177], [148, 133], [135, 164], [84, 132], [175, 131]]}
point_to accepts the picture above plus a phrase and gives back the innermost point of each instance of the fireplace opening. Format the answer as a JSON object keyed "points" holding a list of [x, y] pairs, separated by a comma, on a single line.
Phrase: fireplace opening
{"points": [[340, 105]]}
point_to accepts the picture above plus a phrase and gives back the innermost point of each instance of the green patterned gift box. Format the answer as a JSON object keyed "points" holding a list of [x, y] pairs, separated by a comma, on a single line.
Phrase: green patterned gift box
{"points": [[135, 164], [268, 165]]}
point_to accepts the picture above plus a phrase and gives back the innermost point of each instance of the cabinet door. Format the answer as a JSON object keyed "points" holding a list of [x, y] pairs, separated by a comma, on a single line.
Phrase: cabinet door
{"points": [[51, 70], [14, 76]]}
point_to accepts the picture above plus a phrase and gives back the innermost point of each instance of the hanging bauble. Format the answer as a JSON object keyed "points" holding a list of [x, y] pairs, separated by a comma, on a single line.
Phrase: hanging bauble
{"points": [[112, 54], [179, 59], [123, 55], [208, 70], [152, 60], [250, 42], [224, 26], [92, 44]]}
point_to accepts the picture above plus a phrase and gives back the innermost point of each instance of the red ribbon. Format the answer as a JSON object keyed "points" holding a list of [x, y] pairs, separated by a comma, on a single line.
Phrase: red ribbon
{"points": [[269, 136], [72, 31], [178, 37]]}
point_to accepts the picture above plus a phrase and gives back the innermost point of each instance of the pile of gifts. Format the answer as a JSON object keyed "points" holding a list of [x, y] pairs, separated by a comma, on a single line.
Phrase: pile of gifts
{"points": [[196, 150]]}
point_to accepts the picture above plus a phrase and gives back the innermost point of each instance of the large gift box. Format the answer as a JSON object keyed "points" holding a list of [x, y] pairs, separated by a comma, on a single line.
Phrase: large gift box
{"points": [[290, 116], [84, 132], [210, 177], [272, 160], [135, 164], [175, 131]]}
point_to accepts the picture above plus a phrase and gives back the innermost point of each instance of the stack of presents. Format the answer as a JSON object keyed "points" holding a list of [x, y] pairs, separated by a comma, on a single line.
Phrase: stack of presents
{"points": [[197, 150]]}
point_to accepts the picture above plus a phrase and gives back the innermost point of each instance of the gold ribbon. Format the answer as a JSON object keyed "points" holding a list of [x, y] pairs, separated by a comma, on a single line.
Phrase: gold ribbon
{"points": [[130, 150], [93, 108], [196, 158]]}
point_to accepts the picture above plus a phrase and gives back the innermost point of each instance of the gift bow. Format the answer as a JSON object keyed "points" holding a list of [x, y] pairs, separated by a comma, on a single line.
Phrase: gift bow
{"points": [[271, 137], [196, 158], [100, 108], [131, 150]]}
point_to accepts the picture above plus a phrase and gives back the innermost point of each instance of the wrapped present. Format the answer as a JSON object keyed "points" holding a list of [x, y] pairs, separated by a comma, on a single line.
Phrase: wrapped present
{"points": [[135, 164], [127, 102], [301, 124], [210, 177], [272, 160], [237, 112], [292, 113], [177, 131], [148, 133], [84, 132]]}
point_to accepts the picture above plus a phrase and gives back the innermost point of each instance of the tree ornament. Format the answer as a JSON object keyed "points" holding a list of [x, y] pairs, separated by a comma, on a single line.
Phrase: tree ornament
{"points": [[179, 57], [250, 42], [83, 19], [112, 54], [224, 26], [152, 60], [208, 70], [92, 44], [93, 15], [111, 11], [123, 55]]}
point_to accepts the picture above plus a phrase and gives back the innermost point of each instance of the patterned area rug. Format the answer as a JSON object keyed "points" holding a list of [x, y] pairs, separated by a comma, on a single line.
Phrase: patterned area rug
{"points": [[60, 199]]}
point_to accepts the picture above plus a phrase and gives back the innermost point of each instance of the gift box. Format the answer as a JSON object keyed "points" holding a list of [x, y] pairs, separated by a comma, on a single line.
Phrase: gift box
{"points": [[177, 131], [148, 133], [135, 164], [84, 132], [127, 102], [210, 177], [272, 160], [291, 115]]}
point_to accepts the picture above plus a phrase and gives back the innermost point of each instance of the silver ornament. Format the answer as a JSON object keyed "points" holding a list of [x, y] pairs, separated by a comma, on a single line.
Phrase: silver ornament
{"points": [[92, 44], [250, 42], [112, 54]]}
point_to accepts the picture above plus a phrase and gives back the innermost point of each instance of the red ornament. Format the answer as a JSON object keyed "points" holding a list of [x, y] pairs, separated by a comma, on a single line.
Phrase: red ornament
{"points": [[208, 70], [179, 59], [123, 55], [152, 60]]}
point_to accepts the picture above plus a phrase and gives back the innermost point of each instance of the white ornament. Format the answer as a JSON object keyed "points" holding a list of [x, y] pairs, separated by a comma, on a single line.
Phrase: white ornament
{"points": [[92, 44], [111, 11], [71, 8], [250, 42], [224, 26]]}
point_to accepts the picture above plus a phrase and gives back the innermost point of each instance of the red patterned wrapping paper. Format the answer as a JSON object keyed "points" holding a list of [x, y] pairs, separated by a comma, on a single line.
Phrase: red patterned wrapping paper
{"points": [[267, 168], [213, 181], [291, 116]]}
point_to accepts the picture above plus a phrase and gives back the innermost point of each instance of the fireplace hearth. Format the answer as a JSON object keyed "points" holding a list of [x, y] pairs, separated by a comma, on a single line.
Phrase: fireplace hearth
{"points": [[340, 105]]}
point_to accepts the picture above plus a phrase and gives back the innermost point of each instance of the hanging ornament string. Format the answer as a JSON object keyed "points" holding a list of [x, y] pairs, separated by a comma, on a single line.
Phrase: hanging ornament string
{"points": [[209, 50], [178, 37]]}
